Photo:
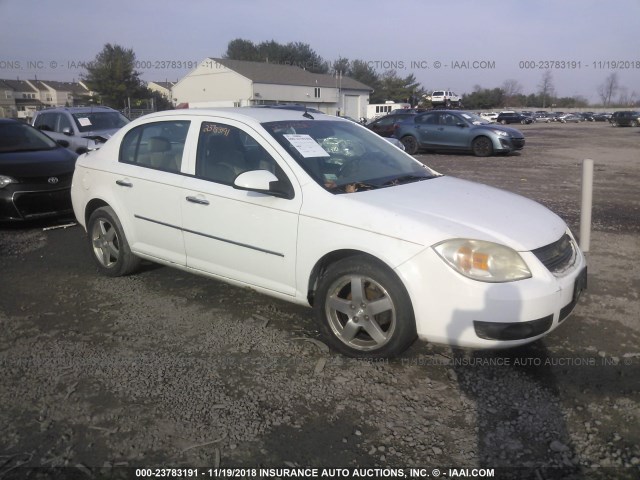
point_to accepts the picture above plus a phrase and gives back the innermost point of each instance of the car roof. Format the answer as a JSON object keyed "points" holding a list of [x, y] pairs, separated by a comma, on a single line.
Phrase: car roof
{"points": [[260, 115], [9, 120], [96, 108]]}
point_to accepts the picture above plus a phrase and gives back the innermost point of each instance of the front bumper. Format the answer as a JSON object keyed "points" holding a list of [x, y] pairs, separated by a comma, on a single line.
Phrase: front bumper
{"points": [[20, 202], [508, 144], [452, 309]]}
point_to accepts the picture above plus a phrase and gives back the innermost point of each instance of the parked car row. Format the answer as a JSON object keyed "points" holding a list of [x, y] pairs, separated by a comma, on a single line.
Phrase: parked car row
{"points": [[526, 117]]}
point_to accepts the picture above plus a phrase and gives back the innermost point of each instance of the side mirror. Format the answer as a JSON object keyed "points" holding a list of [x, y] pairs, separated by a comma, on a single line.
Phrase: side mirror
{"points": [[461, 125], [67, 131], [262, 181]]}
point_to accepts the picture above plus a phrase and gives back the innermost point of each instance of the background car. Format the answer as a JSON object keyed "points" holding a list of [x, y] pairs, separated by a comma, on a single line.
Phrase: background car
{"points": [[601, 117], [586, 116], [625, 118], [83, 128], [457, 130], [489, 116], [385, 126], [570, 118], [541, 118], [506, 118], [35, 174], [326, 214]]}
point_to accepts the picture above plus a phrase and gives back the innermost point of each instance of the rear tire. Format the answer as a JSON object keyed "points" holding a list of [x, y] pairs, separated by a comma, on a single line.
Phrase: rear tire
{"points": [[108, 244], [364, 310]]}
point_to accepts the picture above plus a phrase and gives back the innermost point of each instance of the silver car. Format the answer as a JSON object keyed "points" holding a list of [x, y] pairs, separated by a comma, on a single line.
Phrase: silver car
{"points": [[80, 129]]}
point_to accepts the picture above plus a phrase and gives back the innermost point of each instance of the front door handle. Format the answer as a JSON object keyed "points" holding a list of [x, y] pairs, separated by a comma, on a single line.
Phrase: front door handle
{"points": [[199, 201], [124, 183]]}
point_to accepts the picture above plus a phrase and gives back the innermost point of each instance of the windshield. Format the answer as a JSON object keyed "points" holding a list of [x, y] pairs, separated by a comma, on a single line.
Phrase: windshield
{"points": [[344, 157], [92, 121], [18, 137]]}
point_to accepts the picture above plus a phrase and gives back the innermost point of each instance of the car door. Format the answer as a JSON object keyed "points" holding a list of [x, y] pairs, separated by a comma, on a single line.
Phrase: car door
{"points": [[247, 237], [452, 132], [426, 126], [148, 185]]}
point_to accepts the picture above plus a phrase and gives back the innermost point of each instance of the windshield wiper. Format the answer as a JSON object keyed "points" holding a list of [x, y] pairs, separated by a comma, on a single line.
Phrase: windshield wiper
{"points": [[407, 179], [357, 187]]}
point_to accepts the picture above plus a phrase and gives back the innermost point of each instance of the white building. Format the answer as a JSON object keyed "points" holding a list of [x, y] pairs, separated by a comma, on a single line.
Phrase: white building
{"points": [[163, 88], [227, 83]]}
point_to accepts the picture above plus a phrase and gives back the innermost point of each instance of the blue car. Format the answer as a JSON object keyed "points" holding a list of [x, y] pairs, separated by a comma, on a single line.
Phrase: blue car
{"points": [[457, 130]]}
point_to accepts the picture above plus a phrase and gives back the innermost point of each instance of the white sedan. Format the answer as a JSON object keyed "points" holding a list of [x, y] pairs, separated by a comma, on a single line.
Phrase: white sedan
{"points": [[322, 212], [489, 116]]}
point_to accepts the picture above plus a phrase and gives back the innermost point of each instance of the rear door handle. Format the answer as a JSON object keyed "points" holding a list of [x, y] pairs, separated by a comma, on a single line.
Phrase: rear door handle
{"points": [[124, 183], [199, 201]]}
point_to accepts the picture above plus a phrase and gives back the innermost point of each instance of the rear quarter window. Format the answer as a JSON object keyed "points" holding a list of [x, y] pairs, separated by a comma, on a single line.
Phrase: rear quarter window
{"points": [[157, 145]]}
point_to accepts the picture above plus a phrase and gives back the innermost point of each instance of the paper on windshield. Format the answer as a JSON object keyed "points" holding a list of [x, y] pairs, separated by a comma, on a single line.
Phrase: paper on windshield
{"points": [[306, 146], [84, 122]]}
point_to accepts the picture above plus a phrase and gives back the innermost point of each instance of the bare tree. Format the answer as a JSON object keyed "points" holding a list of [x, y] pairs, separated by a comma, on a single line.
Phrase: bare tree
{"points": [[623, 97], [546, 88], [608, 89], [511, 87]]}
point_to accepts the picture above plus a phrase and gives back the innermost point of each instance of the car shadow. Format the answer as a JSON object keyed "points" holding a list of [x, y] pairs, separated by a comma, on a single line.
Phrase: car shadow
{"points": [[515, 393]]}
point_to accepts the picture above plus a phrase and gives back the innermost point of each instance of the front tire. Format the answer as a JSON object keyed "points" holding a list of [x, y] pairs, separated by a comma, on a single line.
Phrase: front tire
{"points": [[109, 246], [410, 144], [482, 147], [364, 310]]}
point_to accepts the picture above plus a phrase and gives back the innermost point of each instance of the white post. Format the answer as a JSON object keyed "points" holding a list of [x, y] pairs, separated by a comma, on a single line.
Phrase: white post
{"points": [[587, 202]]}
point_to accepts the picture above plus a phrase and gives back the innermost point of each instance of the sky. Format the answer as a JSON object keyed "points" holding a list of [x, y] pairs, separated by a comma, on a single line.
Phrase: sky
{"points": [[446, 44]]}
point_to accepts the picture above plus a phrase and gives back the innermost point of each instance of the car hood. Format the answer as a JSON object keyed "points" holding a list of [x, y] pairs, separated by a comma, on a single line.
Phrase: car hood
{"points": [[39, 163], [430, 211]]}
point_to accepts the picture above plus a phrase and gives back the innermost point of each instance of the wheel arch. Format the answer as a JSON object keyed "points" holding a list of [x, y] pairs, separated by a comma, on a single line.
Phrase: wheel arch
{"points": [[92, 206], [332, 257], [494, 141]]}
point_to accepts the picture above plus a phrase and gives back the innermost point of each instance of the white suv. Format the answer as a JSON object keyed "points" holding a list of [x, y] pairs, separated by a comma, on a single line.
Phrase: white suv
{"points": [[444, 98]]}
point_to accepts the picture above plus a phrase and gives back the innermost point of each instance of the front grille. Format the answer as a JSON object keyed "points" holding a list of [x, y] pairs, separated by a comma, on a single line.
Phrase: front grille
{"points": [[35, 204], [557, 256], [518, 142], [63, 180]]}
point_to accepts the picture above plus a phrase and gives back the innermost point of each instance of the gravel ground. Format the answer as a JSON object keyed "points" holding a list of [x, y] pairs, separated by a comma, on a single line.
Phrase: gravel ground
{"points": [[167, 369]]}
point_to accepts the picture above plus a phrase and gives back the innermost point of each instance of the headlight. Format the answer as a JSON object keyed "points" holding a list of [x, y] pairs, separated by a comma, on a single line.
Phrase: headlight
{"points": [[4, 181], [501, 133], [483, 261]]}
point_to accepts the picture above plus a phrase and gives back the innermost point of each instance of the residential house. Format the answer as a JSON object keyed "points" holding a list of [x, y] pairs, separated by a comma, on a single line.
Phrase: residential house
{"points": [[164, 88], [220, 82], [62, 94], [22, 98], [25, 98]]}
